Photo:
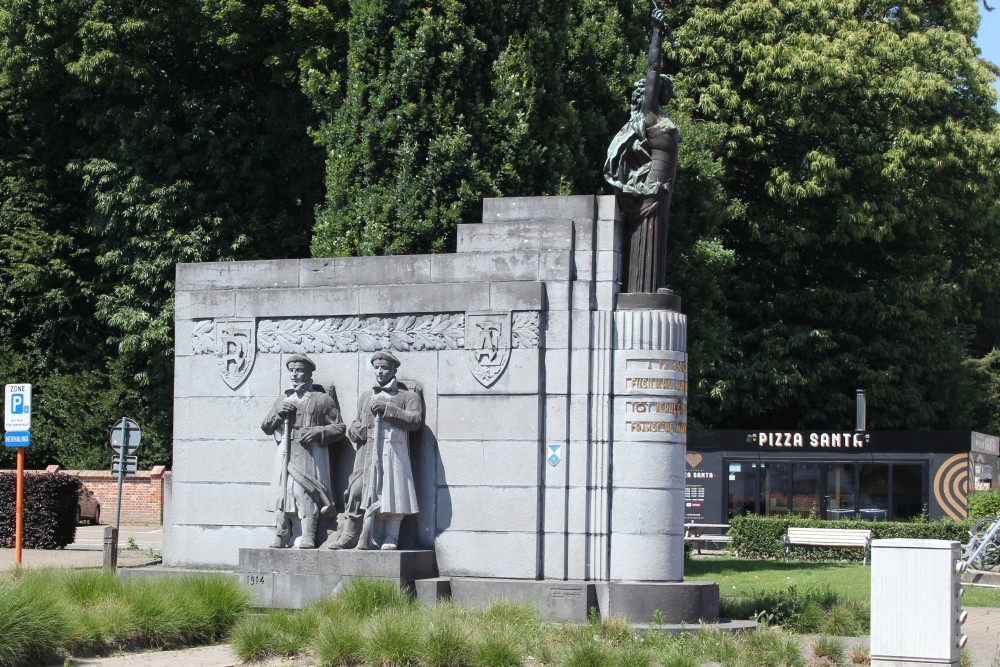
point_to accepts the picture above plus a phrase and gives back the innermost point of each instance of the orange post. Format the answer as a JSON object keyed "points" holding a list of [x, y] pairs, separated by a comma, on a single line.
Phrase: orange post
{"points": [[19, 506]]}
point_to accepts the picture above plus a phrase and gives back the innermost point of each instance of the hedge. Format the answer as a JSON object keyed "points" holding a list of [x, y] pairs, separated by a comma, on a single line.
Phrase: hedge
{"points": [[50, 501], [984, 503], [763, 537]]}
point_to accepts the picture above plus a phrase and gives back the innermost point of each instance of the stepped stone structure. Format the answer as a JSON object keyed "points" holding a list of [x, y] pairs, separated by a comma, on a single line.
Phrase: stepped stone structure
{"points": [[550, 464]]}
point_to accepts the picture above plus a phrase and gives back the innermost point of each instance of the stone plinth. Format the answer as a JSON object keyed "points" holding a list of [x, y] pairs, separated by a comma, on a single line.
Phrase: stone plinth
{"points": [[292, 578], [649, 436]]}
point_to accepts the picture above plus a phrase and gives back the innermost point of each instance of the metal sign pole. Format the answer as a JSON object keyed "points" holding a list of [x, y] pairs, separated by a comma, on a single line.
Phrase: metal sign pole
{"points": [[19, 507], [121, 473]]}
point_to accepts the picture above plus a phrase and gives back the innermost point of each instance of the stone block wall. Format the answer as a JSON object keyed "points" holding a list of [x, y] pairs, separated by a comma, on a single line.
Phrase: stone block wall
{"points": [[514, 463]]}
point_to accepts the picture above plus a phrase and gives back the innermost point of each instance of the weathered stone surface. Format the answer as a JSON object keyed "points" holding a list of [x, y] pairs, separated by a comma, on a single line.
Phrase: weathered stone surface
{"points": [[687, 602], [567, 371], [520, 376], [222, 504], [432, 591], [649, 465], [193, 545], [431, 298], [566, 557], [495, 461], [477, 267], [650, 330], [199, 376], [470, 508], [262, 273], [351, 271], [566, 509], [197, 418], [648, 511], [516, 236], [482, 554], [515, 296], [510, 209], [607, 208], [486, 417], [219, 303], [562, 413], [293, 302], [648, 558], [558, 601], [212, 461], [291, 578], [583, 295]]}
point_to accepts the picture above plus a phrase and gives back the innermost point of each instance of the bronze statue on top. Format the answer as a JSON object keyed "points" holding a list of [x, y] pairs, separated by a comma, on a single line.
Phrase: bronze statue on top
{"points": [[641, 165]]}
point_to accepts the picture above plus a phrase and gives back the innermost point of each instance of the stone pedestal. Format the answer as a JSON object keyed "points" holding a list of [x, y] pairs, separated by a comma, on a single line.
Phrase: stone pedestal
{"points": [[292, 578], [649, 436]]}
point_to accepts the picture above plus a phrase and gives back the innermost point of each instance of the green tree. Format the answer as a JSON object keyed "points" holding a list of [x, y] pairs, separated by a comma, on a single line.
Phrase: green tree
{"points": [[862, 138]]}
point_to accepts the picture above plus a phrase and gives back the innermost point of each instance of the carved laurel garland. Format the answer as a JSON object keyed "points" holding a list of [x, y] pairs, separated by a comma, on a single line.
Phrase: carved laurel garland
{"points": [[203, 337], [351, 334], [444, 331]]}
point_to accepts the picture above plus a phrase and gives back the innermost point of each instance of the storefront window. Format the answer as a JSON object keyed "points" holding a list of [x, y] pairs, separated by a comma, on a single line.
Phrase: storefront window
{"points": [[874, 491], [841, 491], [743, 488], [777, 488], [907, 491], [805, 489]]}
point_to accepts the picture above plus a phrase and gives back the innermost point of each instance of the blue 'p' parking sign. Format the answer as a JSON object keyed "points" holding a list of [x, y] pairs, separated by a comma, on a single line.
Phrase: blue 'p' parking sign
{"points": [[17, 407]]}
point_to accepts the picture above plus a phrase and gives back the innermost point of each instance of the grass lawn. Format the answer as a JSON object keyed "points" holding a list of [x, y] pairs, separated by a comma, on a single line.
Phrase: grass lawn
{"points": [[739, 577]]}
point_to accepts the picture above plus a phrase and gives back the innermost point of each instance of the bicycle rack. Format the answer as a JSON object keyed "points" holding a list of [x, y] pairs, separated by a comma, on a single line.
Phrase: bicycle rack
{"points": [[983, 549]]}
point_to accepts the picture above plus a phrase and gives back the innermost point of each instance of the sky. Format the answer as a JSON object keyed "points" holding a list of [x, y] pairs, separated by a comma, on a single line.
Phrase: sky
{"points": [[988, 38]]}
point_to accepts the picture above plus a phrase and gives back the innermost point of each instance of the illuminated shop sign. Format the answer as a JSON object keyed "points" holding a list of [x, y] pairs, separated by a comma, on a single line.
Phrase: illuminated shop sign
{"points": [[814, 440]]}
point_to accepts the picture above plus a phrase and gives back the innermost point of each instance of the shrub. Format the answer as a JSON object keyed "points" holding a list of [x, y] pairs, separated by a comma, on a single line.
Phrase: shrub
{"points": [[49, 510], [984, 503], [763, 537]]}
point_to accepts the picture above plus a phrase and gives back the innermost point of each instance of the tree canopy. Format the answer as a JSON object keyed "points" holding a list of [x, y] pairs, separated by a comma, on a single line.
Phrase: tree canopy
{"points": [[833, 227]]}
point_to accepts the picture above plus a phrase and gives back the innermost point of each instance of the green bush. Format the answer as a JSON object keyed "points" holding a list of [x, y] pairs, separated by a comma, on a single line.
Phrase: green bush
{"points": [[49, 510], [984, 503], [763, 537]]}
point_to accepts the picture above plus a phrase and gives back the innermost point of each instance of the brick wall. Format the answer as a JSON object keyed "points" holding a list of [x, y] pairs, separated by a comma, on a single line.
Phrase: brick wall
{"points": [[142, 495]]}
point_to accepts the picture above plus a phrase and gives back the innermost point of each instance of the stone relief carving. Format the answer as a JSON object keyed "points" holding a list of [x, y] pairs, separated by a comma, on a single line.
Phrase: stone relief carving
{"points": [[487, 337], [369, 334], [487, 345], [236, 348]]}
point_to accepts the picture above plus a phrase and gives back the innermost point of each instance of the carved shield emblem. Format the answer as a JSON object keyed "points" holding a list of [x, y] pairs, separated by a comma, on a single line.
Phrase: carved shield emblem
{"points": [[487, 345], [236, 348]]}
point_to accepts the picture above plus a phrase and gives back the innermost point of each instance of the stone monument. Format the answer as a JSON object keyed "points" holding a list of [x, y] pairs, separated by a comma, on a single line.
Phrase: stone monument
{"points": [[381, 490], [548, 458], [305, 421]]}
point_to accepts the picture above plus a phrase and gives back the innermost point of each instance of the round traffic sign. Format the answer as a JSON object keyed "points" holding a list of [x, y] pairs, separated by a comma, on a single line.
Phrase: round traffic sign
{"points": [[125, 436]]}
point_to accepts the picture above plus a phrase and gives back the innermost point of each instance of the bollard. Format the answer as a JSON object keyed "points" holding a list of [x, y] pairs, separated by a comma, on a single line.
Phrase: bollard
{"points": [[110, 548]]}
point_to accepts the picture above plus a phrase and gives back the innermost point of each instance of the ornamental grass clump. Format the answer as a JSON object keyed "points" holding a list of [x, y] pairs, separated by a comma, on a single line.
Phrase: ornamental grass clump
{"points": [[32, 619], [448, 641], [392, 638]]}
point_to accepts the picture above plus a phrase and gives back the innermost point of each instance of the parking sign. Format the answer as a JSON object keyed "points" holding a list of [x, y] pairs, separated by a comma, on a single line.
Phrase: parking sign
{"points": [[17, 407]]}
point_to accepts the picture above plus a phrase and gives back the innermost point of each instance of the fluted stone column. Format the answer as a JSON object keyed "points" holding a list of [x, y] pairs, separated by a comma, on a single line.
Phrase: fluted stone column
{"points": [[649, 440]]}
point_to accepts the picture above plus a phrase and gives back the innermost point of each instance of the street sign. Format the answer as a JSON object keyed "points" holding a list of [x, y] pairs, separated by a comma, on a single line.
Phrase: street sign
{"points": [[17, 407], [131, 465], [125, 434], [17, 439]]}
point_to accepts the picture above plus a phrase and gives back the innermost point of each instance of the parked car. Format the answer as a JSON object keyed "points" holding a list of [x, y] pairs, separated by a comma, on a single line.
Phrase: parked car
{"points": [[87, 507]]}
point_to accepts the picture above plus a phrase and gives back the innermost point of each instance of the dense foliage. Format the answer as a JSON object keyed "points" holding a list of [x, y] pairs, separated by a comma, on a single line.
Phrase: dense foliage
{"points": [[832, 228], [49, 514], [983, 504]]}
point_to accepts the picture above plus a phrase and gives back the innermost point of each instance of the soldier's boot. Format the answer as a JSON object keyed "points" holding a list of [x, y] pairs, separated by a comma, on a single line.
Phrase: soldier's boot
{"points": [[348, 535], [308, 539], [365, 540], [281, 534], [391, 539]]}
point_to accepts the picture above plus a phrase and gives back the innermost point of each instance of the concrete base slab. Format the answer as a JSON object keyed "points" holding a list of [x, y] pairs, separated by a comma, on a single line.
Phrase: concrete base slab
{"points": [[293, 578], [679, 603], [981, 578]]}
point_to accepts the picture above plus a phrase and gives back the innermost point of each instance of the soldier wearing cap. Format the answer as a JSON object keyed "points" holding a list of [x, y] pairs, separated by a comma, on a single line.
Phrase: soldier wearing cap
{"points": [[381, 490], [301, 482]]}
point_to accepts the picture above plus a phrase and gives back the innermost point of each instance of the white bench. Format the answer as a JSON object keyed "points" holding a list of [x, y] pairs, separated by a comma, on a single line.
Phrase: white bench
{"points": [[696, 533], [840, 538]]}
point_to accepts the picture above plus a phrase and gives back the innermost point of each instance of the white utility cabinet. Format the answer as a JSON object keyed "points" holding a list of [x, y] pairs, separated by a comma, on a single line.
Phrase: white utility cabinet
{"points": [[916, 612]]}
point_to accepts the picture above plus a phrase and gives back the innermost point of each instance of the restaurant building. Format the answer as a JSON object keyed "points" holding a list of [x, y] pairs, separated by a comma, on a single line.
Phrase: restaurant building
{"points": [[875, 475]]}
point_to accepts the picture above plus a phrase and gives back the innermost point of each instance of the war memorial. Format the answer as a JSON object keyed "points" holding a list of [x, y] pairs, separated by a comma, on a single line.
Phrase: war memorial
{"points": [[505, 421]]}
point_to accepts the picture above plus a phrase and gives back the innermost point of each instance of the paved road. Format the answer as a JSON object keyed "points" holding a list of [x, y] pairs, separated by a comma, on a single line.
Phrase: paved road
{"points": [[88, 549]]}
